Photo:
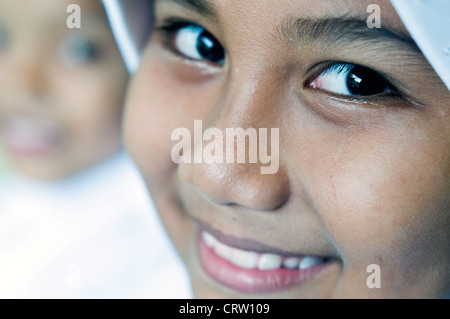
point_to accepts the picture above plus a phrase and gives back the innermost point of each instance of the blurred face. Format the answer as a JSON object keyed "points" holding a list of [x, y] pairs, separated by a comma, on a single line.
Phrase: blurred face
{"points": [[61, 89], [364, 149]]}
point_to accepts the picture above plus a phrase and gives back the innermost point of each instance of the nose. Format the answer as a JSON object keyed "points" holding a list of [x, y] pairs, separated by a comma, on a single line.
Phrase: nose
{"points": [[28, 75], [254, 181]]}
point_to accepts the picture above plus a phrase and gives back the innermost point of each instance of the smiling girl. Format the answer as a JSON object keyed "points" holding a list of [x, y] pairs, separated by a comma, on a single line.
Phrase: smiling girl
{"points": [[364, 148]]}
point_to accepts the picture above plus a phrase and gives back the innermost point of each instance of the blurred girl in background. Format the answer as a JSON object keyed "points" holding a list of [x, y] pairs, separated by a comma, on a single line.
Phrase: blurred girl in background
{"points": [[75, 220]]}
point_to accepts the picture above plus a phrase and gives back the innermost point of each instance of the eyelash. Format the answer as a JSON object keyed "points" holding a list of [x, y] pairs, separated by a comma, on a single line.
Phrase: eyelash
{"points": [[170, 27], [168, 30], [339, 67]]}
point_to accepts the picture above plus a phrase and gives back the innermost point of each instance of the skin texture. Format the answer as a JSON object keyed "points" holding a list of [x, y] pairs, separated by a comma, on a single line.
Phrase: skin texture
{"points": [[46, 80], [362, 181]]}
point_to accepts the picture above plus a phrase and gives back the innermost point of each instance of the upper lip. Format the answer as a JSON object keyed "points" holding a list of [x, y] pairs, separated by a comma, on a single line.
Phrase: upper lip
{"points": [[243, 236], [42, 120], [248, 244]]}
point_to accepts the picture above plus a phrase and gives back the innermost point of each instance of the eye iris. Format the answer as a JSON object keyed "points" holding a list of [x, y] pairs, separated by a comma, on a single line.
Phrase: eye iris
{"points": [[363, 81], [209, 48], [78, 50], [85, 51]]}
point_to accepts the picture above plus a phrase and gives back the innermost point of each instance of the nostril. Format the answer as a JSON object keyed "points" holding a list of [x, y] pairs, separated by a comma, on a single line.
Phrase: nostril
{"points": [[262, 192], [211, 181], [237, 184]]}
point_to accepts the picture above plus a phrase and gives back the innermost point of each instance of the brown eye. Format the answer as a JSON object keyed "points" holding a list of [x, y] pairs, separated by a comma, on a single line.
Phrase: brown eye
{"points": [[78, 50], [196, 43], [351, 79]]}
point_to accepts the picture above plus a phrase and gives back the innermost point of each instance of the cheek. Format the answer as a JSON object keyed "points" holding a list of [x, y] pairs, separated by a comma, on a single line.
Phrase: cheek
{"points": [[92, 101], [384, 194], [158, 103], [89, 106], [92, 85]]}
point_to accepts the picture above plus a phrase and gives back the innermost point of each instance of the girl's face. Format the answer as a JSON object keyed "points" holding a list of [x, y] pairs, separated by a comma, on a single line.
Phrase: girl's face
{"points": [[61, 89], [364, 149]]}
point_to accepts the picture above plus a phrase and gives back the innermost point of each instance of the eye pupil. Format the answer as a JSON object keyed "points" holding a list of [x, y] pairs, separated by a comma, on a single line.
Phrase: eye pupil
{"points": [[78, 50], [209, 48], [363, 82], [85, 50]]}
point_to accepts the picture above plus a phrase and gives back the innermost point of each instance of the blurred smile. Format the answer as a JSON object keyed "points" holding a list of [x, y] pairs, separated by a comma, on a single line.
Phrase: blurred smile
{"points": [[27, 136]]}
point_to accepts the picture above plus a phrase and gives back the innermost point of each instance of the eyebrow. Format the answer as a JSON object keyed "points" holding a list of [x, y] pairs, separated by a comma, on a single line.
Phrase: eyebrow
{"points": [[340, 30], [332, 30], [201, 6]]}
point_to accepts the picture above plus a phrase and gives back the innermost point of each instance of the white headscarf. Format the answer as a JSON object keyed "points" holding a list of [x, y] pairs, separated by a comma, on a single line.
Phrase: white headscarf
{"points": [[121, 13], [427, 21]]}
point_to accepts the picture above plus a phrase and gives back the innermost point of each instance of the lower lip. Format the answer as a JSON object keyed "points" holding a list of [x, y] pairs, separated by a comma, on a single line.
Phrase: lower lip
{"points": [[29, 146], [252, 281]]}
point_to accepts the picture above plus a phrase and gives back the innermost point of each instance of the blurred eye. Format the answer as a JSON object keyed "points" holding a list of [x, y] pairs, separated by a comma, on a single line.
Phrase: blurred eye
{"points": [[351, 79], [195, 42], [78, 50]]}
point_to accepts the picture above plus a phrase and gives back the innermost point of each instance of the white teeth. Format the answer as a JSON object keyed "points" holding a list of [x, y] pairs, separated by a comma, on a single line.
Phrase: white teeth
{"points": [[223, 250], [210, 241], [309, 262], [244, 259], [291, 263], [29, 133], [269, 261], [251, 260]]}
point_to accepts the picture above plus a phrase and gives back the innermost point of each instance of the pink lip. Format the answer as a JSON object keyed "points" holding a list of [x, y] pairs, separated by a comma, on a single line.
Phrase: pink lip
{"points": [[250, 281], [42, 142], [29, 147]]}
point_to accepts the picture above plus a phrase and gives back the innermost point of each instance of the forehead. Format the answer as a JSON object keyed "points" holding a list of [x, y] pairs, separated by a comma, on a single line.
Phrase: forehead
{"points": [[276, 10]]}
